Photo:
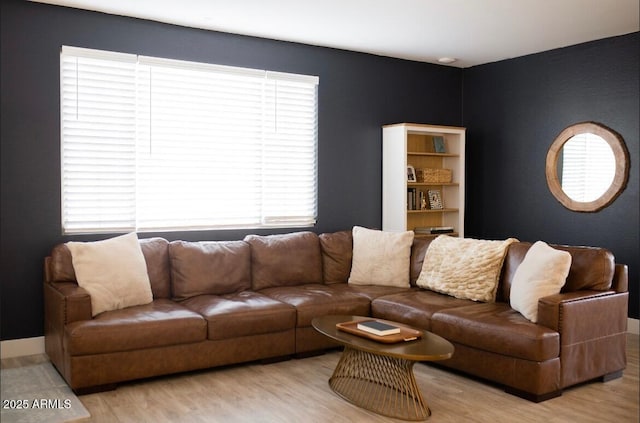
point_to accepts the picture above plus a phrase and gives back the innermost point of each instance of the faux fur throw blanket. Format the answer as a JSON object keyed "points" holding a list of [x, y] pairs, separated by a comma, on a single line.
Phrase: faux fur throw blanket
{"points": [[464, 267]]}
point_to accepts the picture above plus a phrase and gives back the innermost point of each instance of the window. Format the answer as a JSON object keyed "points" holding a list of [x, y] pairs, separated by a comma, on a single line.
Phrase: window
{"points": [[157, 144], [588, 167]]}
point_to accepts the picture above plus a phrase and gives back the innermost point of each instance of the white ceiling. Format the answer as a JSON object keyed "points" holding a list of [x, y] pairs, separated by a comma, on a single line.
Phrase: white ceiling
{"points": [[472, 31]]}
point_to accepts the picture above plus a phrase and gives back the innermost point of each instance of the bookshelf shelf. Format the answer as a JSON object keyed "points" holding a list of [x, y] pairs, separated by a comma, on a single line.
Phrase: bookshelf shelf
{"points": [[432, 184], [433, 211], [415, 153]]}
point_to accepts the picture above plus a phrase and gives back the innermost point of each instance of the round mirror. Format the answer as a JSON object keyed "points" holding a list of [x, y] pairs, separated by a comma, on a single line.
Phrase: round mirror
{"points": [[587, 167]]}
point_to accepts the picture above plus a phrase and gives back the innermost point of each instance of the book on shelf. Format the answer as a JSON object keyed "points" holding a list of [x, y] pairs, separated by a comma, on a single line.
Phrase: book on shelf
{"points": [[416, 199], [431, 230], [378, 328]]}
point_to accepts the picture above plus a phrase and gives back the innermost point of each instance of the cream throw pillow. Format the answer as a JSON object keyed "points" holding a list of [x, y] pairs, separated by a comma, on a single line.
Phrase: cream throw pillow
{"points": [[113, 271], [464, 267], [380, 258], [543, 272]]}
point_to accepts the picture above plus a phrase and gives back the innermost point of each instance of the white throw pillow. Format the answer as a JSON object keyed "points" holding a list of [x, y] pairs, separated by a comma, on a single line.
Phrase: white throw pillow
{"points": [[464, 268], [380, 258], [113, 271], [543, 272]]}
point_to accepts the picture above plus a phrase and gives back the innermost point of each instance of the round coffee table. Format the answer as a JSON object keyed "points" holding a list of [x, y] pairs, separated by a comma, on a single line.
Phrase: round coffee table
{"points": [[379, 376]]}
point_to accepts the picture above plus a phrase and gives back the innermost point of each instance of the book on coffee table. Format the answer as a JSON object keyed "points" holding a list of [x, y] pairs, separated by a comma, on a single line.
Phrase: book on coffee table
{"points": [[405, 334], [378, 328]]}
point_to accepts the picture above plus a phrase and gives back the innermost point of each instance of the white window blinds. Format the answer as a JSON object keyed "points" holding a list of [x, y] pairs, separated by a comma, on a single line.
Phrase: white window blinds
{"points": [[158, 144], [588, 167]]}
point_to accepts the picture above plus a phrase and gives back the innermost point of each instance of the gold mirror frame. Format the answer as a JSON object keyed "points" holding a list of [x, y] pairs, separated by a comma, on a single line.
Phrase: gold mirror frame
{"points": [[620, 154]]}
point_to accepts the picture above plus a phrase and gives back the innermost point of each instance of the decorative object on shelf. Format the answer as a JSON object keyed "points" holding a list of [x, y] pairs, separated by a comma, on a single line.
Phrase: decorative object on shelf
{"points": [[438, 144], [411, 174], [438, 176], [435, 199], [420, 175], [423, 201]]}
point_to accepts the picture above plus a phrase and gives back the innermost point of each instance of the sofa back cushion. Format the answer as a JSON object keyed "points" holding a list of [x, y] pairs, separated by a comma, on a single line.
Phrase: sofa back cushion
{"points": [[381, 257], [591, 268], [418, 251], [337, 253], [209, 267], [156, 255], [285, 259], [464, 268], [113, 271]]}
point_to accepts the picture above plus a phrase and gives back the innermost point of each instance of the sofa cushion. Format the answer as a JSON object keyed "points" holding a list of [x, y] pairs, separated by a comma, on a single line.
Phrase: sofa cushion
{"points": [[313, 300], [285, 259], [160, 323], [543, 272], [242, 314], [211, 267], [337, 252], [380, 258], [371, 291], [413, 307], [592, 268], [156, 255], [497, 328], [465, 268], [113, 272], [418, 252]]}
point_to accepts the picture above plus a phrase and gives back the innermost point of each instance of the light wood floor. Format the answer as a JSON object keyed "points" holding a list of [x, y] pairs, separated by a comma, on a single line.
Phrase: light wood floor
{"points": [[297, 391]]}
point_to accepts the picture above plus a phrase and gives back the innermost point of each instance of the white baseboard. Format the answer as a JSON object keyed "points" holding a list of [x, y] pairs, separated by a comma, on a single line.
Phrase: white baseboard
{"points": [[32, 346], [21, 347]]}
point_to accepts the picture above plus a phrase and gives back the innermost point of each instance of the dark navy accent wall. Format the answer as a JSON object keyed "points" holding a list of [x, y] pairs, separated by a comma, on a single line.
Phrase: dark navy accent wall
{"points": [[514, 109], [358, 93]]}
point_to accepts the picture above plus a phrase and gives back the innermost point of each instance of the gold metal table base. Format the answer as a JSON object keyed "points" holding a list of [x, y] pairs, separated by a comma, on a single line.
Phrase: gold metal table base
{"points": [[382, 384]]}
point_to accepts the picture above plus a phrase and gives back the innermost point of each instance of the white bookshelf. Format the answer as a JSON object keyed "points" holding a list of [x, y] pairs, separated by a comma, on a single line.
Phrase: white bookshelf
{"points": [[405, 144]]}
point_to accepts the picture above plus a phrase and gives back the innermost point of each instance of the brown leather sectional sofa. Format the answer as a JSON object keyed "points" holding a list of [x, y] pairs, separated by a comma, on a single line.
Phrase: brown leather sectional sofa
{"points": [[225, 302]]}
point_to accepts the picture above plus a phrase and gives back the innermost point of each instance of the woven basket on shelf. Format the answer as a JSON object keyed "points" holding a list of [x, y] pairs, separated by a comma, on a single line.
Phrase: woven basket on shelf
{"points": [[438, 176]]}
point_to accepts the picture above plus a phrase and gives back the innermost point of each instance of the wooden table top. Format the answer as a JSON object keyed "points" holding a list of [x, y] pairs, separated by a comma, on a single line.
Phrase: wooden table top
{"points": [[430, 347]]}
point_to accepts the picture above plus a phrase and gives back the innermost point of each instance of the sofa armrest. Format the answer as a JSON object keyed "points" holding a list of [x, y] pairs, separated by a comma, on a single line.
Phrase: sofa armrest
{"points": [[620, 282], [583, 315], [593, 332], [64, 302], [72, 302]]}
